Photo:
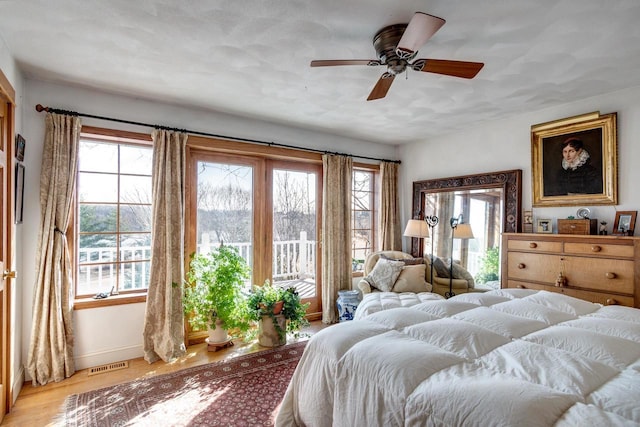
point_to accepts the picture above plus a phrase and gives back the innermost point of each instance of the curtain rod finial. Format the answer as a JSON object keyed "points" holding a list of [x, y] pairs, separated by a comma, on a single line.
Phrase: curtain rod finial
{"points": [[40, 108]]}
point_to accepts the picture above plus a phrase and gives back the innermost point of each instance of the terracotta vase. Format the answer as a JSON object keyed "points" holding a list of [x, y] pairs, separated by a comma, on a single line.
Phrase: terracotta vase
{"points": [[277, 308]]}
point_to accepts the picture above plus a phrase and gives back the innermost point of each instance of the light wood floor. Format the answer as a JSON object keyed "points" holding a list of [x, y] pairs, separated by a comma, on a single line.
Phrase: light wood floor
{"points": [[39, 406]]}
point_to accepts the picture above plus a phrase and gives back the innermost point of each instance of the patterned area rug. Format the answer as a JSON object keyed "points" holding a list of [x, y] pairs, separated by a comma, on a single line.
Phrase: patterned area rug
{"points": [[245, 391]]}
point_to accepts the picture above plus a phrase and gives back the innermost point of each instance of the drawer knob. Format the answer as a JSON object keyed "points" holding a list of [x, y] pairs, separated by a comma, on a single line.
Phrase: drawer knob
{"points": [[533, 245], [611, 301], [521, 266], [596, 248], [611, 275]]}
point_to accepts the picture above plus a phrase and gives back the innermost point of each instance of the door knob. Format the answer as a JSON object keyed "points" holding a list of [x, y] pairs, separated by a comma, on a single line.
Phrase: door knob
{"points": [[9, 274]]}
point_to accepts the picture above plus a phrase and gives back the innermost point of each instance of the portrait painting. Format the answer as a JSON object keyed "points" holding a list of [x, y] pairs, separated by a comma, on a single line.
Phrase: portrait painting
{"points": [[574, 161]]}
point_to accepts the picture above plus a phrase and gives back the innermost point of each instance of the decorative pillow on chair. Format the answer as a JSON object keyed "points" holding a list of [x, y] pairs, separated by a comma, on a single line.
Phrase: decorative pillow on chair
{"points": [[411, 279], [441, 269], [407, 261], [384, 274], [459, 272]]}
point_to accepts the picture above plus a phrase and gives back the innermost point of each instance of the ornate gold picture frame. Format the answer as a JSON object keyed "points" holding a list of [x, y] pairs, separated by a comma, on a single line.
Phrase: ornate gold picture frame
{"points": [[574, 161]]}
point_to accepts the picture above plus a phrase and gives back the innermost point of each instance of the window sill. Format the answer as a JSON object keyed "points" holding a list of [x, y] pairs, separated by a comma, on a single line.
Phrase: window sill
{"points": [[84, 303]]}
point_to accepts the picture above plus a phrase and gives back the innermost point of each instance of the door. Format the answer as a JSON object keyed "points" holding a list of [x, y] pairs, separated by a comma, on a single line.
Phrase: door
{"points": [[268, 209], [295, 214], [6, 196]]}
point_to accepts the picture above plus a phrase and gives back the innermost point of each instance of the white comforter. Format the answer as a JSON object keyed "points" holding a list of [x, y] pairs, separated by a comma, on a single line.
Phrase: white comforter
{"points": [[378, 301], [503, 358]]}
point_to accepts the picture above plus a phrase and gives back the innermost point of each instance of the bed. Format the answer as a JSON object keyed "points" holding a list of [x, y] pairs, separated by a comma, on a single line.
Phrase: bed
{"points": [[379, 301], [505, 358]]}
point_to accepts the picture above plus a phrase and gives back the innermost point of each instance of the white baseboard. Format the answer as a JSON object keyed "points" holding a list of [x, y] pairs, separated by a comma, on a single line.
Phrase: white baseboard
{"points": [[18, 381], [93, 359], [110, 356]]}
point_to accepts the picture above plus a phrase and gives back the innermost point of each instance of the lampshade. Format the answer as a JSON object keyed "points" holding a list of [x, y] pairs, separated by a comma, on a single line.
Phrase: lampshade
{"points": [[416, 228], [463, 231]]}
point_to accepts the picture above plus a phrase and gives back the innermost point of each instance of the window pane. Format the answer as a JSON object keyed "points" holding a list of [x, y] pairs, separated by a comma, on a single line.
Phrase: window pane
{"points": [[93, 279], [97, 187], [136, 160], [294, 230], [97, 218], [362, 219], [134, 275], [114, 216], [135, 189], [363, 215], [225, 206], [97, 156], [362, 200], [135, 218], [97, 247], [135, 246]]}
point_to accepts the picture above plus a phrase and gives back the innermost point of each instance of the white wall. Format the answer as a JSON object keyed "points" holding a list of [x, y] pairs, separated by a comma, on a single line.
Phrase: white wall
{"points": [[111, 334], [13, 74], [506, 144]]}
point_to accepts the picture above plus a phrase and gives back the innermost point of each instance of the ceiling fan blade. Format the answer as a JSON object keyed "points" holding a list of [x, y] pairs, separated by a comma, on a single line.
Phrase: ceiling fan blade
{"points": [[382, 87], [420, 29], [464, 69], [334, 62]]}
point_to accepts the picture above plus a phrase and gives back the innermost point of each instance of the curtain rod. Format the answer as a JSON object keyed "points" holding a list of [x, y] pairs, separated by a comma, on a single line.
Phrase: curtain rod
{"points": [[40, 108]]}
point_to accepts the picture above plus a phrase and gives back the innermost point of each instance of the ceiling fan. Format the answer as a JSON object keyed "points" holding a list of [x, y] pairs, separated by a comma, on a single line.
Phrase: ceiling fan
{"points": [[397, 46]]}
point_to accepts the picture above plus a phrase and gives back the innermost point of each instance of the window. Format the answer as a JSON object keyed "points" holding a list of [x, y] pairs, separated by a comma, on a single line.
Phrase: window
{"points": [[363, 217], [113, 215]]}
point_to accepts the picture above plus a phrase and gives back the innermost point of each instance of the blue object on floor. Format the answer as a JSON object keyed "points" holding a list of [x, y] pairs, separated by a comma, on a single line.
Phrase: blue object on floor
{"points": [[347, 303]]}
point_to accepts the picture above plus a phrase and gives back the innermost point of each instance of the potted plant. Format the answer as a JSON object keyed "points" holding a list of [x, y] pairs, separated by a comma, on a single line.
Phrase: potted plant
{"points": [[278, 311], [213, 296]]}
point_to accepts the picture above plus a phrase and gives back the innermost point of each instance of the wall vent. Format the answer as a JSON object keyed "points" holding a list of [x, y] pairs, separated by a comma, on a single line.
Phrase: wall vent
{"points": [[108, 368]]}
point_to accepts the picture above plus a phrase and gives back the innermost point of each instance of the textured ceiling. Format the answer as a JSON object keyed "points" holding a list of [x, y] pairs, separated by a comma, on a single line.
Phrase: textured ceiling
{"points": [[251, 57]]}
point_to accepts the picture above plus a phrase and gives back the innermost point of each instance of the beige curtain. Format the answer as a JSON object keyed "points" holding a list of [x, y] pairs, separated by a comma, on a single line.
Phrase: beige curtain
{"points": [[390, 231], [50, 355], [336, 231], [446, 206], [164, 319]]}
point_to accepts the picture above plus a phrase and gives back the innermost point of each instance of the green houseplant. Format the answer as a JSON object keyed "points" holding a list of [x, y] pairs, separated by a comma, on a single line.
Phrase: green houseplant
{"points": [[213, 296], [490, 266], [278, 311]]}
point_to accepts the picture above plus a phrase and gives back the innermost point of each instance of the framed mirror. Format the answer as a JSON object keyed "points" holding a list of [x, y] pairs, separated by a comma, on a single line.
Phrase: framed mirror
{"points": [[490, 202]]}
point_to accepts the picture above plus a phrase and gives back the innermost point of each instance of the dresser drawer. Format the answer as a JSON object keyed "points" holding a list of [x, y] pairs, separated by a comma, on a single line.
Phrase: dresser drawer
{"points": [[600, 297], [599, 249], [533, 267], [534, 246], [525, 285], [610, 275]]}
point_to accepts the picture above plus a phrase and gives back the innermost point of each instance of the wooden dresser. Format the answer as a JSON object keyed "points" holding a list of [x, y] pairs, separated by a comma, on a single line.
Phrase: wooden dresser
{"points": [[601, 269]]}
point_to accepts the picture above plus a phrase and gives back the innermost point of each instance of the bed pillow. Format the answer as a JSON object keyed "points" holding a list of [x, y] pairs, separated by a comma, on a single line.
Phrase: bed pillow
{"points": [[384, 274], [411, 279]]}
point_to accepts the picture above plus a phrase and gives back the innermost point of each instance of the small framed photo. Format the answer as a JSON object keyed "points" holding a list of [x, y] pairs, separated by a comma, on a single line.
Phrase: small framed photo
{"points": [[625, 223], [544, 226], [527, 222]]}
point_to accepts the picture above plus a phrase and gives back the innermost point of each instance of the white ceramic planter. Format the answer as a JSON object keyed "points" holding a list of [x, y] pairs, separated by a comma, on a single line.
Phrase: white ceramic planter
{"points": [[267, 333]]}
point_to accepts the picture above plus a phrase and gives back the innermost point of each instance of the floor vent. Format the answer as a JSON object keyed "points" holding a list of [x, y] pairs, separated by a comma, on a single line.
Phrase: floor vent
{"points": [[108, 368]]}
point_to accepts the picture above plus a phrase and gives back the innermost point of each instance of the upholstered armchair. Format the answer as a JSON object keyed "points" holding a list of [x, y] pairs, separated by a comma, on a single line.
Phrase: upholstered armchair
{"points": [[402, 273], [414, 275], [462, 280]]}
